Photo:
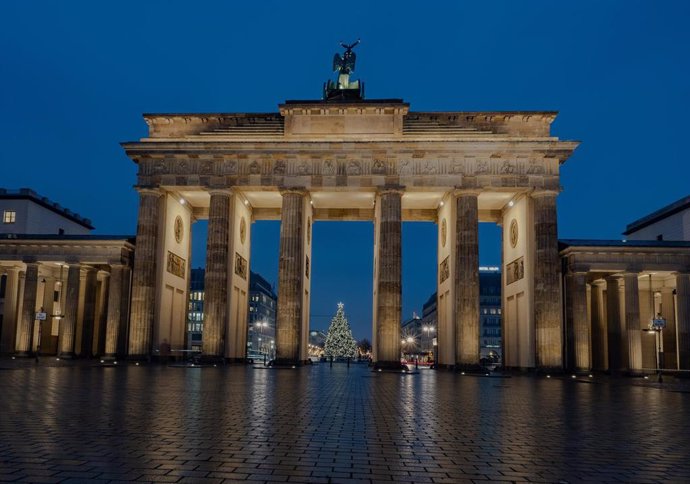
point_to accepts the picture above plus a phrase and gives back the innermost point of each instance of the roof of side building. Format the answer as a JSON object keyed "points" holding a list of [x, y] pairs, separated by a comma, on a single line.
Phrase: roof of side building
{"points": [[29, 194], [660, 214]]}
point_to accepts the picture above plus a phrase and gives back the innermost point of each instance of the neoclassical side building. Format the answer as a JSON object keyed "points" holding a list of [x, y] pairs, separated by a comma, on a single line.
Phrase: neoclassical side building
{"points": [[612, 291], [350, 160], [63, 291]]}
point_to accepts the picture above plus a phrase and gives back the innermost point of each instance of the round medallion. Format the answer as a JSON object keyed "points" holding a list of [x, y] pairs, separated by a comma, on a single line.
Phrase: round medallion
{"points": [[243, 230], [444, 232], [308, 230], [513, 233], [178, 228]]}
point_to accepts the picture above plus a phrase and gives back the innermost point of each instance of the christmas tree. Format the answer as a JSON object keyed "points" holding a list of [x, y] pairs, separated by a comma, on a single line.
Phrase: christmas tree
{"points": [[339, 340]]}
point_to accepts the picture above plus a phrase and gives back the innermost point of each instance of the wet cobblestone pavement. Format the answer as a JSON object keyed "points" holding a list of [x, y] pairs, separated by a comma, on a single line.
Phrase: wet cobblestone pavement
{"points": [[80, 423]]}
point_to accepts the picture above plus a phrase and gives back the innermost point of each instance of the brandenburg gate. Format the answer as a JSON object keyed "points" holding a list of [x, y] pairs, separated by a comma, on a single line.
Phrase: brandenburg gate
{"points": [[349, 159]]}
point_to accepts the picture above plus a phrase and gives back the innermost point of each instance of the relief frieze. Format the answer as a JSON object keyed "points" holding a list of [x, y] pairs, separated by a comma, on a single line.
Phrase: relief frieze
{"points": [[405, 167], [482, 167], [328, 167], [304, 168], [443, 271], [254, 168], [535, 168], [354, 168], [206, 167], [176, 265], [508, 167], [228, 167], [515, 270], [241, 266], [279, 167], [378, 168]]}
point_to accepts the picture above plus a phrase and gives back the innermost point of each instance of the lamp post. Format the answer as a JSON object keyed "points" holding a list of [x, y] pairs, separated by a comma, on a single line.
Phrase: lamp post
{"points": [[656, 326], [428, 329], [262, 345], [410, 341]]}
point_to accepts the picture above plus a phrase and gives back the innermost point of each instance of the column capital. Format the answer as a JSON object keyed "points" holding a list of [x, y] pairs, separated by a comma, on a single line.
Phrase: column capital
{"points": [[149, 191], [31, 261], [544, 193], [224, 192], [466, 192], [391, 189], [293, 191]]}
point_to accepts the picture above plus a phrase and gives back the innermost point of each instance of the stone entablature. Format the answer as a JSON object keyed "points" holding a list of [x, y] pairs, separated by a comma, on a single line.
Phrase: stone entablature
{"points": [[361, 146], [612, 256], [86, 249]]}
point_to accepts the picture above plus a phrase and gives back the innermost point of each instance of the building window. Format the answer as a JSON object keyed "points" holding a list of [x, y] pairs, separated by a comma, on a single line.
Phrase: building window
{"points": [[9, 216]]}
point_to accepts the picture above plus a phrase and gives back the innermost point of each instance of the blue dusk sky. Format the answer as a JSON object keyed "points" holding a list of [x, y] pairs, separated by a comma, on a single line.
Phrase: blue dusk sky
{"points": [[75, 78]]}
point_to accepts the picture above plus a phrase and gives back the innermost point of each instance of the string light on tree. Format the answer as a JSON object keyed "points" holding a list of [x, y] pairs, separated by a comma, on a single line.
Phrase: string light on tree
{"points": [[339, 340]]}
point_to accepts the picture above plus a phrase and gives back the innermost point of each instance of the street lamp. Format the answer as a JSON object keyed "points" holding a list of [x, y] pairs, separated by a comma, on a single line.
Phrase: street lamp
{"points": [[427, 330], [656, 326], [261, 325]]}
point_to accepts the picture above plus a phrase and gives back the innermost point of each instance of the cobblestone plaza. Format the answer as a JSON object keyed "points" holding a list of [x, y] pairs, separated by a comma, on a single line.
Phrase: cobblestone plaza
{"points": [[322, 424]]}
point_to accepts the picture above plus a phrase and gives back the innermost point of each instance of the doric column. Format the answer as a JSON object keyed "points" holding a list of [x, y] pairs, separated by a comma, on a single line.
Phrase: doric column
{"points": [[599, 331], [144, 277], [467, 279], [112, 328], [632, 321], [547, 300], [668, 312], [26, 324], [683, 311], [289, 313], [89, 317], [216, 276], [9, 315], [68, 324], [389, 282], [617, 339], [46, 326], [102, 314], [576, 313]]}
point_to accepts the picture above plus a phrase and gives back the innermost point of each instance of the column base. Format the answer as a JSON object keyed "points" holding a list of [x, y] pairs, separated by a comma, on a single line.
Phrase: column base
{"points": [[474, 368], [23, 354], [67, 355], [395, 366], [285, 363], [139, 358], [211, 360], [549, 370]]}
